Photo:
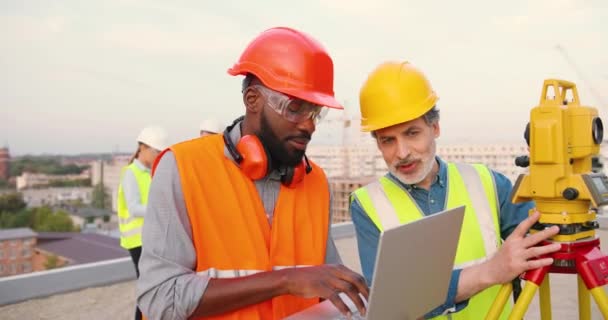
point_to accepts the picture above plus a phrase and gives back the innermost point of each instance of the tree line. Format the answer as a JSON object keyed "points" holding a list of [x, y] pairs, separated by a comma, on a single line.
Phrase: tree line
{"points": [[46, 165], [15, 214]]}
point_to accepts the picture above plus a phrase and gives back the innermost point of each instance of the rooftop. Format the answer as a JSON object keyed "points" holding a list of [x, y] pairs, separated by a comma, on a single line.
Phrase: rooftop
{"points": [[86, 212], [16, 233], [81, 248], [116, 300]]}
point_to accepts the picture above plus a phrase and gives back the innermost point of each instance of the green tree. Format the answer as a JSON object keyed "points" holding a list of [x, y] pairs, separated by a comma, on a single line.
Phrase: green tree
{"points": [[45, 164], [52, 262], [47, 220], [77, 203], [12, 202], [60, 221], [70, 183], [21, 219], [100, 197], [38, 219]]}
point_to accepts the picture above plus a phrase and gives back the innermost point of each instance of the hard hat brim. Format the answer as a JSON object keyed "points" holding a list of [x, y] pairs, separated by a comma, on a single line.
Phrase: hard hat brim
{"points": [[319, 98]]}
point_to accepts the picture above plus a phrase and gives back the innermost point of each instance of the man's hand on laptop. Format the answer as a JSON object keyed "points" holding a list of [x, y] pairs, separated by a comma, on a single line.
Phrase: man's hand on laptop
{"points": [[520, 253], [327, 281]]}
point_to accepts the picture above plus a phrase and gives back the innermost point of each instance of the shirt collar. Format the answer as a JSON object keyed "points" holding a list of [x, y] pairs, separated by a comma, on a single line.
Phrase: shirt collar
{"points": [[440, 179], [140, 165]]}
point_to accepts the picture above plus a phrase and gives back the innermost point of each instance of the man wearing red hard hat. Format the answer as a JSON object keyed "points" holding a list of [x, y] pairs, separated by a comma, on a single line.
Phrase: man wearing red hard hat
{"points": [[238, 223]]}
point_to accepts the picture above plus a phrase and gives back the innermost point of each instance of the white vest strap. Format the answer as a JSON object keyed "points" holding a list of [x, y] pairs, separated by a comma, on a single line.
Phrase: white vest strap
{"points": [[481, 206], [225, 274], [384, 208]]}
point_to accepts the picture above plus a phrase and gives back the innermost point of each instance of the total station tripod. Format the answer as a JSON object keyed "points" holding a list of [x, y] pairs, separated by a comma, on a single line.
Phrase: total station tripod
{"points": [[563, 137]]}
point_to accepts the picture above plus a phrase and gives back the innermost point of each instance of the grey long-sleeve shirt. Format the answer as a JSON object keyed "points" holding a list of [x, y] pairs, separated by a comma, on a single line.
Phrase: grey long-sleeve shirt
{"points": [[168, 286], [130, 188]]}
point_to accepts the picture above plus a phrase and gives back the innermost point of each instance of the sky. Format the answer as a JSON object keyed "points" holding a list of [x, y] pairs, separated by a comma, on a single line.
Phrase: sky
{"points": [[87, 76]]}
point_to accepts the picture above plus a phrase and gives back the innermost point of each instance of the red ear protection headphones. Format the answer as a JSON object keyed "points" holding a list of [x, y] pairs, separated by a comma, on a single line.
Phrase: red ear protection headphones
{"points": [[254, 160]]}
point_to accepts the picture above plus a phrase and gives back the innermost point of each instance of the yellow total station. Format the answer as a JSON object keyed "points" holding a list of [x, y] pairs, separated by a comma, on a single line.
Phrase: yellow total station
{"points": [[563, 137]]}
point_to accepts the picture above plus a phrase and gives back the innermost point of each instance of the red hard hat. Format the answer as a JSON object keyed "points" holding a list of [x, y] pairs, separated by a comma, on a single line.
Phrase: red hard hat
{"points": [[291, 62]]}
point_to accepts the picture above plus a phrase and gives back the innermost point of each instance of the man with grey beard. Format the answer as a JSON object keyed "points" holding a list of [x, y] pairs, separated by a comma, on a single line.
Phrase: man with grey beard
{"points": [[398, 108]]}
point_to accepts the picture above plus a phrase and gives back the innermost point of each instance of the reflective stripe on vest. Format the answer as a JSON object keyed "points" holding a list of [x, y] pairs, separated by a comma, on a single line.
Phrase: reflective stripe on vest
{"points": [[481, 205], [388, 205], [130, 226], [230, 231], [226, 274]]}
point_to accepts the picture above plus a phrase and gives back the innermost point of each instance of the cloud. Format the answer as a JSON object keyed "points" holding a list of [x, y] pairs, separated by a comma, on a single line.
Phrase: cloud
{"points": [[210, 35], [28, 29], [357, 8], [544, 14]]}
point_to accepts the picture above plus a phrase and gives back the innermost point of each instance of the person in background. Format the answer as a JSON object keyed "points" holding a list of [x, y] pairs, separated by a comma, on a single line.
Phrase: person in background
{"points": [[210, 126], [133, 192]]}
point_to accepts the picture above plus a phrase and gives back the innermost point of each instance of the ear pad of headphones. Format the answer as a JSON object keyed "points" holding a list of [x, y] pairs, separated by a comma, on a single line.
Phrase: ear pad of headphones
{"points": [[293, 175], [255, 163]]}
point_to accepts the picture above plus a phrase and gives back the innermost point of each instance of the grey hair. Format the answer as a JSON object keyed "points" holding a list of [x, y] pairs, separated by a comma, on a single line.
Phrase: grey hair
{"points": [[430, 117]]}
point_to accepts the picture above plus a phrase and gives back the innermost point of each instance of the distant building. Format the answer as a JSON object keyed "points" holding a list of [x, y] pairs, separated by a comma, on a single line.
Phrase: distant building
{"points": [[341, 190], [78, 248], [57, 196], [109, 173], [23, 250], [348, 161], [31, 180], [363, 160], [5, 160], [17, 251], [87, 217], [499, 157]]}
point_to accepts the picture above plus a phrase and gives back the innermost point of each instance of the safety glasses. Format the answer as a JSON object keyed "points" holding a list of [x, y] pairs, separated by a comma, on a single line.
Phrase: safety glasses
{"points": [[292, 109]]}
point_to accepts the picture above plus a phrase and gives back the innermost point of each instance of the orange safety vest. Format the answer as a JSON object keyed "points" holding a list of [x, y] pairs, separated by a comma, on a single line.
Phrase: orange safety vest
{"points": [[230, 230]]}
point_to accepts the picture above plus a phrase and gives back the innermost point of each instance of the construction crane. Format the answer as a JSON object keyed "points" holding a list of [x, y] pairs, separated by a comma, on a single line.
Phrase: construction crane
{"points": [[597, 164], [581, 75]]}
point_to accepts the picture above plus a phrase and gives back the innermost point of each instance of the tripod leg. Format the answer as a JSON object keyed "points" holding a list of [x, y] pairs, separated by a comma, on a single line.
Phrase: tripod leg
{"points": [[523, 301], [545, 299], [584, 301], [499, 302], [600, 298]]}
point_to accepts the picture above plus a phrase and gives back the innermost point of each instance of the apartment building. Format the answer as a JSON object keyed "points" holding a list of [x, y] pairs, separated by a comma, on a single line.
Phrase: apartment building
{"points": [[5, 161], [341, 190], [30, 180], [56, 196], [16, 251], [109, 173], [499, 157]]}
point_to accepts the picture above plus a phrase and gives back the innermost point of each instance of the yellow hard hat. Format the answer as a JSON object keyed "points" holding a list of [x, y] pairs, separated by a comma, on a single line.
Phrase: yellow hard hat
{"points": [[395, 92]]}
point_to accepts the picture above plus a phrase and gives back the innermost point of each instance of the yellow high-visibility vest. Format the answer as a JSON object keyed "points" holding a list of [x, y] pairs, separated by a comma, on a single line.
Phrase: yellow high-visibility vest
{"points": [[130, 226], [388, 205]]}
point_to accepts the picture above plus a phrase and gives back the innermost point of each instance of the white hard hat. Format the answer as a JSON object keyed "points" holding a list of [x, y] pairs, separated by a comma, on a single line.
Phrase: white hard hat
{"points": [[211, 125], [155, 137]]}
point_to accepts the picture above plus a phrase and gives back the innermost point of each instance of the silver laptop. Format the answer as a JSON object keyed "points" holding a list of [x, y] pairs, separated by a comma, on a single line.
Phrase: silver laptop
{"points": [[412, 271]]}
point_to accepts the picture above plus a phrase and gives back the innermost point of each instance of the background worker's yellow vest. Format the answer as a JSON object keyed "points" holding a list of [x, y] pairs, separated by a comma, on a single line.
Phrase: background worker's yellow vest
{"points": [[130, 226], [470, 185]]}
